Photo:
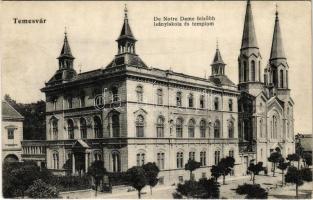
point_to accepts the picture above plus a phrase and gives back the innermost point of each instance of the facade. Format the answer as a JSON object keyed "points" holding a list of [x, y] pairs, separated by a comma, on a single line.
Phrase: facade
{"points": [[128, 114], [12, 133]]}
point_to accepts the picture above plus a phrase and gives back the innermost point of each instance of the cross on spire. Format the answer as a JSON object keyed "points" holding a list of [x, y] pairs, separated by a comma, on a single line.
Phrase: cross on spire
{"points": [[125, 11]]}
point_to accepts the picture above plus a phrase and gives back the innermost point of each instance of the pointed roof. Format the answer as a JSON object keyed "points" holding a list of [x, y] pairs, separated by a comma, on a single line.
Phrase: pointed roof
{"points": [[9, 113], [66, 49], [126, 30], [277, 50], [218, 58], [248, 36]]}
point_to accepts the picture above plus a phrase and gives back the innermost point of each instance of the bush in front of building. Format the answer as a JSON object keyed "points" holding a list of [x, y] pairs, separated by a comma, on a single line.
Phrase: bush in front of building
{"points": [[41, 190], [252, 191], [71, 183]]}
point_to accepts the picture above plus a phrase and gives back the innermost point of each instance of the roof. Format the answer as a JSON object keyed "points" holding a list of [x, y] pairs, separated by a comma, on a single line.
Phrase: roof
{"points": [[277, 50], [126, 31], [218, 58], [221, 80], [8, 112], [248, 36], [66, 49]]}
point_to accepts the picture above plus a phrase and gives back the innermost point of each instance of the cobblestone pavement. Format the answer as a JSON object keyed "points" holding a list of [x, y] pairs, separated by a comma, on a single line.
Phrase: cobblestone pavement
{"points": [[272, 184]]}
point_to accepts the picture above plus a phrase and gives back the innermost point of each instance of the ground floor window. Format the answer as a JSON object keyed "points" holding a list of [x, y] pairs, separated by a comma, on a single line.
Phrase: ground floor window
{"points": [[160, 159], [180, 179], [161, 180], [140, 159], [203, 158]]}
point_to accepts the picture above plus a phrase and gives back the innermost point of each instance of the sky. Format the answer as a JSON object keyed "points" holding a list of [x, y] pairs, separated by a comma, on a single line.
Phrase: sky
{"points": [[29, 51]]}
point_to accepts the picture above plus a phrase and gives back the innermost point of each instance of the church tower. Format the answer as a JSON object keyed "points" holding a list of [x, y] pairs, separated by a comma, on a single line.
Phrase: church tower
{"points": [[126, 54], [249, 60], [276, 73]]}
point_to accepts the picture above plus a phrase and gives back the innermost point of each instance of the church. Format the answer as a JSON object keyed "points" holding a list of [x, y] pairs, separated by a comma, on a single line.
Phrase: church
{"points": [[128, 114]]}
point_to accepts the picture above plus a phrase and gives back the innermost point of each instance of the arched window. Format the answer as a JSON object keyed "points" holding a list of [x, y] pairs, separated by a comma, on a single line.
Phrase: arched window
{"points": [[179, 128], [70, 102], [140, 126], [217, 129], [261, 127], [97, 155], [191, 128], [160, 127], [116, 162], [275, 79], [70, 129], [55, 156], [216, 103], [288, 130], [159, 97], [160, 160], [140, 159], [55, 129], [178, 99], [202, 101], [115, 96], [139, 92], [252, 70], [203, 158], [116, 125], [281, 77], [231, 129], [245, 71], [83, 128], [190, 101], [217, 157], [180, 160], [97, 127], [202, 128], [231, 153], [82, 100], [192, 155], [286, 78], [230, 105], [274, 127]]}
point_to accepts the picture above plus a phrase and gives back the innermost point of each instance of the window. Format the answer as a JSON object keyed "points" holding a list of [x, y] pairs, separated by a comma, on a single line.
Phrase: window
{"points": [[139, 92], [217, 156], [178, 99], [70, 102], [252, 70], [55, 104], [83, 128], [286, 78], [55, 129], [288, 130], [159, 97], [231, 153], [217, 129], [140, 159], [203, 175], [180, 179], [245, 71], [160, 159], [203, 158], [10, 133], [202, 128], [116, 160], [180, 160], [82, 101], [140, 126], [160, 127], [261, 127], [216, 103], [161, 180], [98, 127], [179, 128], [116, 125], [230, 129], [98, 155], [55, 157], [191, 128], [70, 129], [192, 155], [201, 101], [190, 101], [230, 105], [115, 96], [281, 76], [274, 126]]}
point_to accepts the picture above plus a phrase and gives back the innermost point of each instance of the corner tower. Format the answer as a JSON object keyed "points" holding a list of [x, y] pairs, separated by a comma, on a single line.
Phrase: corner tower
{"points": [[249, 59], [276, 73]]}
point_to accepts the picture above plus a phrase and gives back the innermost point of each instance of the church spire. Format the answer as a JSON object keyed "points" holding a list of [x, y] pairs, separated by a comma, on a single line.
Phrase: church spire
{"points": [[249, 38], [277, 50], [66, 49], [218, 65]]}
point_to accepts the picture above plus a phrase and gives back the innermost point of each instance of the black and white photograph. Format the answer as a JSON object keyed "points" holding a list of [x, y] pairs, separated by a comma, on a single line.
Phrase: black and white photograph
{"points": [[156, 99]]}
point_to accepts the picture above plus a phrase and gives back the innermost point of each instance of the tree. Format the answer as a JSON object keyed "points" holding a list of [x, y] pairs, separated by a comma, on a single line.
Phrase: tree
{"points": [[211, 188], [152, 172], [307, 158], [275, 158], [41, 190], [255, 169], [191, 166], [282, 166], [252, 191], [216, 172], [294, 157], [293, 175], [97, 171], [136, 177], [225, 166], [306, 174]]}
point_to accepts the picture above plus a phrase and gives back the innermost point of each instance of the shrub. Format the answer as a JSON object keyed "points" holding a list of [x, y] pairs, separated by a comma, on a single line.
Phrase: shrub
{"points": [[252, 191], [41, 190]]}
